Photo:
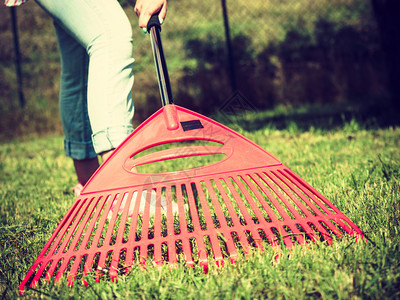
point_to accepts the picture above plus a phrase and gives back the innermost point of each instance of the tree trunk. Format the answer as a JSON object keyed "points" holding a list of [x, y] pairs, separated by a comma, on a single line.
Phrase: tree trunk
{"points": [[387, 14]]}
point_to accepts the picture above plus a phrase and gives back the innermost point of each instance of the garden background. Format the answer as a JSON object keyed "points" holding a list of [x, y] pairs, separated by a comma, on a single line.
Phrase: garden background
{"points": [[282, 54], [312, 82]]}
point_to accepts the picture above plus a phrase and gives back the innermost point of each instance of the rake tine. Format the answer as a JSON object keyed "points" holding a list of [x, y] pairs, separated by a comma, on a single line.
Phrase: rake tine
{"points": [[196, 224], [38, 263], [110, 228], [271, 214], [216, 249], [101, 266], [266, 207], [133, 229], [217, 206], [194, 213], [239, 201], [306, 189], [182, 217], [62, 269], [347, 228], [51, 243], [325, 234], [172, 258], [284, 200], [257, 239], [146, 216], [233, 215], [289, 189], [73, 228], [204, 205], [157, 218], [244, 241], [73, 271], [51, 270], [285, 237], [90, 208], [30, 273], [187, 252], [249, 199], [285, 178], [230, 244], [170, 215], [87, 267], [298, 235], [271, 198], [103, 219], [158, 254], [66, 230], [333, 228], [38, 275], [243, 208], [124, 217], [228, 204], [113, 269], [203, 261], [99, 205], [207, 214]]}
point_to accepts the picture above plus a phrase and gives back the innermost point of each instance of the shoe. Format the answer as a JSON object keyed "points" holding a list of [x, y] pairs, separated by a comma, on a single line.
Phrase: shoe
{"points": [[77, 189]]}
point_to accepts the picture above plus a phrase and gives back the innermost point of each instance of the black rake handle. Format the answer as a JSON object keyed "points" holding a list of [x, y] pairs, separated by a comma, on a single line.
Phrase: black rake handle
{"points": [[154, 28]]}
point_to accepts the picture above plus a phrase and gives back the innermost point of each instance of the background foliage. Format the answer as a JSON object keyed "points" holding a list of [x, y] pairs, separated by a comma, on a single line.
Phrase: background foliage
{"points": [[285, 53]]}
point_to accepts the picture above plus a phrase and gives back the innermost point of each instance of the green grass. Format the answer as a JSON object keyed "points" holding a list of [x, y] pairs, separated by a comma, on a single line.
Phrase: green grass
{"points": [[355, 167]]}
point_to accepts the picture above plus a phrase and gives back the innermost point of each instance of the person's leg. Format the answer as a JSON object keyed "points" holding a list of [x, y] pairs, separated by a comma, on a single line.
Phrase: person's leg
{"points": [[102, 28], [73, 107]]}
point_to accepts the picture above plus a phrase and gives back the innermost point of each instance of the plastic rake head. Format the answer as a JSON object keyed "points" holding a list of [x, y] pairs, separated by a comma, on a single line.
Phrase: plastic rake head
{"points": [[133, 211]]}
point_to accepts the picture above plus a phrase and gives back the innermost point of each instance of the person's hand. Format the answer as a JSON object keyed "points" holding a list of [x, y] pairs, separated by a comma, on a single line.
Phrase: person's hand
{"points": [[144, 9]]}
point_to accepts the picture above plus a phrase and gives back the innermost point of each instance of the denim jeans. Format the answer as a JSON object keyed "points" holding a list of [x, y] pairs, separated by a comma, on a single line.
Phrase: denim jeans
{"points": [[95, 41]]}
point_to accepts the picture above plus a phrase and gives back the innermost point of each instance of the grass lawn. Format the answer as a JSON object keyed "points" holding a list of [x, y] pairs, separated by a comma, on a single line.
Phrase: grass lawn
{"points": [[355, 167]]}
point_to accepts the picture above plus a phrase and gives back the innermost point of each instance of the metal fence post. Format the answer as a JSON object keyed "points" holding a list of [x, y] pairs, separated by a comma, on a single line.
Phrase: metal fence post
{"points": [[17, 57], [231, 65]]}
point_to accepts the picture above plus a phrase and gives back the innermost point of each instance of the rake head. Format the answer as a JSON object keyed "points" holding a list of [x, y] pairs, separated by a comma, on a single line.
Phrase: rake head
{"points": [[132, 211]]}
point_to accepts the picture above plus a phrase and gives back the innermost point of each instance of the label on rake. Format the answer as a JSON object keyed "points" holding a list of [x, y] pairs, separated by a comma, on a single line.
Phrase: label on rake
{"points": [[190, 125]]}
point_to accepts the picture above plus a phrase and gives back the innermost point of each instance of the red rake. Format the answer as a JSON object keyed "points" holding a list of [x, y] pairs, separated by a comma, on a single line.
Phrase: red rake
{"points": [[246, 199]]}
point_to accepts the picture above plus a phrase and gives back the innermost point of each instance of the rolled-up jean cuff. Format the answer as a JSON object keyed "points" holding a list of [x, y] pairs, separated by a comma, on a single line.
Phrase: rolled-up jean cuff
{"points": [[79, 150], [110, 138]]}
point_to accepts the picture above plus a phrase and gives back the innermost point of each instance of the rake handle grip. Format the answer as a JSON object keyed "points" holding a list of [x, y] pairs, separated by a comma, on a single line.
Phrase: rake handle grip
{"points": [[154, 28], [154, 21]]}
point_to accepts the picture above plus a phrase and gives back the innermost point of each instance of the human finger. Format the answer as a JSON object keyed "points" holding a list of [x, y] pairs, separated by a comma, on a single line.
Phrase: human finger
{"points": [[151, 8]]}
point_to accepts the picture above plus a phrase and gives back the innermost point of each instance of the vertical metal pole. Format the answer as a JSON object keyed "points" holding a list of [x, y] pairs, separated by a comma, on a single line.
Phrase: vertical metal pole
{"points": [[231, 65], [161, 65], [17, 57]]}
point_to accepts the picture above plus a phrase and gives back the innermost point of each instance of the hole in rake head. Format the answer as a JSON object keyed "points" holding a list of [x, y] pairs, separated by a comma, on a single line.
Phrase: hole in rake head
{"points": [[278, 236], [263, 236], [237, 242], [175, 156], [194, 249], [164, 252], [305, 234], [290, 234], [223, 246], [317, 232]]}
